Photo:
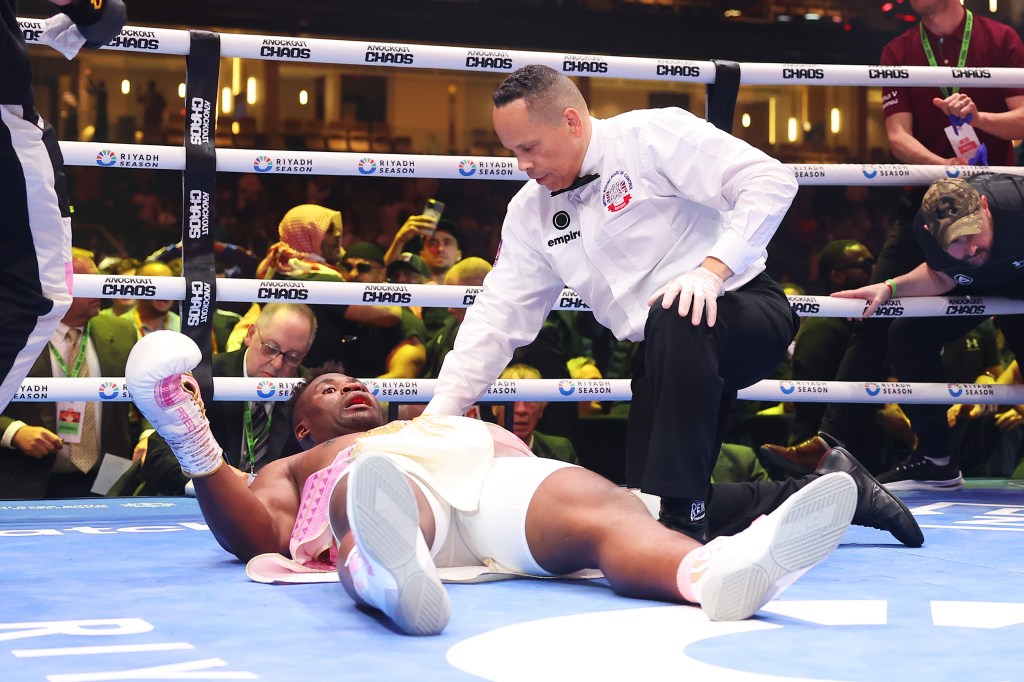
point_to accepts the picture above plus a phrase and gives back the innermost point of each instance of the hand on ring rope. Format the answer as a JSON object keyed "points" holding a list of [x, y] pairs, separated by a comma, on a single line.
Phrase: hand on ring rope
{"points": [[874, 294], [697, 289]]}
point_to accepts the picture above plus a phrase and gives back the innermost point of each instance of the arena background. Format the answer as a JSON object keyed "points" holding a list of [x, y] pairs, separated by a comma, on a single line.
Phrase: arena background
{"points": [[109, 590]]}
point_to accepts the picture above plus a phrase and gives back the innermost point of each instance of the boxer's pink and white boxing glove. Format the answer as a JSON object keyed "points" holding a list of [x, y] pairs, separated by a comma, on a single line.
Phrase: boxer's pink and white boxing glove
{"points": [[158, 378]]}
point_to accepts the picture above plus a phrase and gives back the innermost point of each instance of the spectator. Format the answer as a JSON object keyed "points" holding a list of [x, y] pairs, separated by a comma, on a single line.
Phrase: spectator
{"points": [[978, 432], [821, 341], [526, 414], [415, 228], [584, 367], [440, 251], [395, 352], [101, 120], [967, 230], [54, 450], [253, 434], [153, 107], [69, 116], [916, 120], [469, 272], [123, 267], [151, 314], [310, 250], [409, 268]]}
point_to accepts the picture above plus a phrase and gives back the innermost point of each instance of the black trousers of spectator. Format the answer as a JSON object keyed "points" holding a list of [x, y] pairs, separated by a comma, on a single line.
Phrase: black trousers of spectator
{"points": [[916, 347], [685, 379], [35, 261], [866, 355]]}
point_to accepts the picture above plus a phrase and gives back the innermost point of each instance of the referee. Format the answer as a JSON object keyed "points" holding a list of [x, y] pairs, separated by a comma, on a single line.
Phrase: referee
{"points": [[35, 263]]}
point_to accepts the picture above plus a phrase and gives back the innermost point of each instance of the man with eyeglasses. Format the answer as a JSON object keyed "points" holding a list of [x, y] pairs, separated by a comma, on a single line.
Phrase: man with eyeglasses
{"points": [[253, 433]]}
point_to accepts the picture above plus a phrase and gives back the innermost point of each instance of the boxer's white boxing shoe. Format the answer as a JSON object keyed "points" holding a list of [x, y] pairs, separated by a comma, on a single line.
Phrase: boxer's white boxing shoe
{"points": [[158, 378], [391, 568], [735, 576]]}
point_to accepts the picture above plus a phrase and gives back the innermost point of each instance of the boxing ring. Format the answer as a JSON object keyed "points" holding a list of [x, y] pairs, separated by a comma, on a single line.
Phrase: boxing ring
{"points": [[132, 589], [137, 588]]}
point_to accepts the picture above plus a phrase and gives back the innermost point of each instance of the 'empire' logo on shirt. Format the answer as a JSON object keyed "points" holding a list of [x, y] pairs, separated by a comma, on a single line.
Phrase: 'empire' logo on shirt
{"points": [[564, 238]]}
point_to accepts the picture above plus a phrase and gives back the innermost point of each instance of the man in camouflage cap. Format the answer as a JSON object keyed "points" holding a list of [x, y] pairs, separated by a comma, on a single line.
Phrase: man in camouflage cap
{"points": [[965, 255], [953, 213]]}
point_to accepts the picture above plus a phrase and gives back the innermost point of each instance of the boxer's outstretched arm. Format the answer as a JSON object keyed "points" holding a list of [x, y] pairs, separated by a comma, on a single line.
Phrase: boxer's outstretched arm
{"points": [[245, 521], [249, 521]]}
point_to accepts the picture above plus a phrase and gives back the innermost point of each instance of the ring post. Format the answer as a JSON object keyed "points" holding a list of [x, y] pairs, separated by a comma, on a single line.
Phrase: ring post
{"points": [[720, 105], [199, 181]]}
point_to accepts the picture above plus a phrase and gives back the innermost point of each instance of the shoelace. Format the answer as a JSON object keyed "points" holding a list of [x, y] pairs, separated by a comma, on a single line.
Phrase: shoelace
{"points": [[198, 438]]}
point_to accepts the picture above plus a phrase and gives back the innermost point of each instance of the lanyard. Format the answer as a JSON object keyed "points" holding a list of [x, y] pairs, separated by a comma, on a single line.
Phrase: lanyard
{"points": [[961, 60], [77, 366], [250, 439]]}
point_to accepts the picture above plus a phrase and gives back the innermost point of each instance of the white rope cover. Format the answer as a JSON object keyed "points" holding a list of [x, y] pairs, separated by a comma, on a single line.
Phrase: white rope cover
{"points": [[276, 161], [113, 389], [433, 296], [452, 58]]}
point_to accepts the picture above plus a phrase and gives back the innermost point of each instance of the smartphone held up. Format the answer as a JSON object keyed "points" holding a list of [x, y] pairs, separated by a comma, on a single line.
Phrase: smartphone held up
{"points": [[433, 210]]}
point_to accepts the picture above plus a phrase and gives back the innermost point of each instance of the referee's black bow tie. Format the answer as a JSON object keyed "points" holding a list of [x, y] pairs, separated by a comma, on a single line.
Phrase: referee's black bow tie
{"points": [[577, 183]]}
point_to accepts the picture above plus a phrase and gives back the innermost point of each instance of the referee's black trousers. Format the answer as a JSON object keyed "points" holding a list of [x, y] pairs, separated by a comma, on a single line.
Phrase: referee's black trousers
{"points": [[685, 379]]}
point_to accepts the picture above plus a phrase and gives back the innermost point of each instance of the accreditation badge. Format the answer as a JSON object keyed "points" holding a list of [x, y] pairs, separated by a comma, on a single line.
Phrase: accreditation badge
{"points": [[70, 415], [964, 140]]}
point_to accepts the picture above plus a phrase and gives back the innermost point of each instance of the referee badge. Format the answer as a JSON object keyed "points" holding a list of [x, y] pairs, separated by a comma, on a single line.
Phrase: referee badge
{"points": [[615, 195]]}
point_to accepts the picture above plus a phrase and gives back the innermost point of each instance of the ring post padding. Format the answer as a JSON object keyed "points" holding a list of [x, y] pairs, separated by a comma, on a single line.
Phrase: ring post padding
{"points": [[199, 183], [720, 104]]}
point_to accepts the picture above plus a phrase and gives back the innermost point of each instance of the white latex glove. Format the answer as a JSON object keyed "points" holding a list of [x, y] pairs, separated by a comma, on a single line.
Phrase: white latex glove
{"points": [[698, 289]]}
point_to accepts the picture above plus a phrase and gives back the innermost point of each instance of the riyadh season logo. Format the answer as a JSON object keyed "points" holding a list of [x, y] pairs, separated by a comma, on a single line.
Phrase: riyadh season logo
{"points": [[106, 158], [952, 173], [109, 390], [367, 165], [787, 387], [265, 389], [467, 167], [955, 390], [263, 164], [566, 387], [872, 389], [372, 386], [869, 171]]}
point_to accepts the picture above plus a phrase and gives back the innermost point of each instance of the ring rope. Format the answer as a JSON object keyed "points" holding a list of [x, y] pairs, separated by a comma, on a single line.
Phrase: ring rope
{"points": [[114, 389], [371, 164], [452, 296], [454, 58]]}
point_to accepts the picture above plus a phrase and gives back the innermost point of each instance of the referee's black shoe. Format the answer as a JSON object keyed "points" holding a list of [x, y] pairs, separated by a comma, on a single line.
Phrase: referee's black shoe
{"points": [[876, 506]]}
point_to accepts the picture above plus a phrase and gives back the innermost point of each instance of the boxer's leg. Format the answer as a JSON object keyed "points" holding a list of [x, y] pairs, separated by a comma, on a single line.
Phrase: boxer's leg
{"points": [[383, 536], [578, 520]]}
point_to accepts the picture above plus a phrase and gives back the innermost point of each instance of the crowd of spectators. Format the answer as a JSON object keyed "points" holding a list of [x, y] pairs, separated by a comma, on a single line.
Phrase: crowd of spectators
{"points": [[130, 220]]}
